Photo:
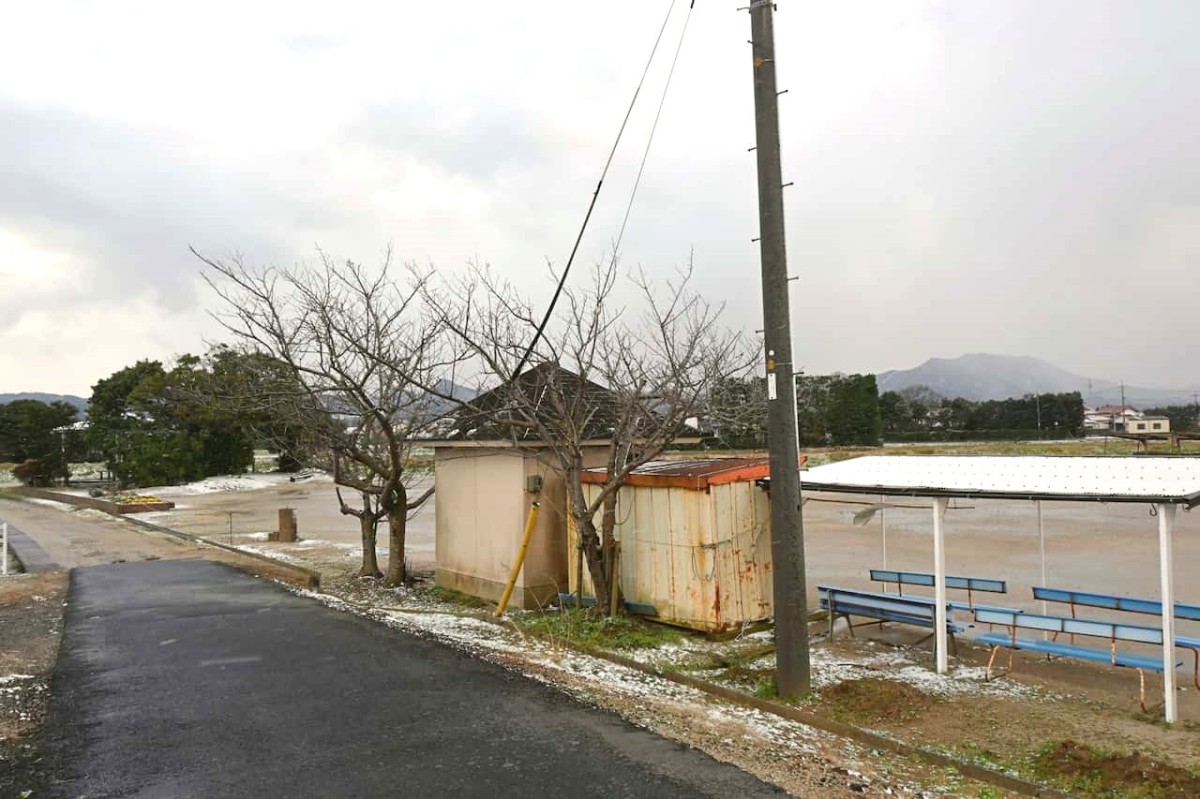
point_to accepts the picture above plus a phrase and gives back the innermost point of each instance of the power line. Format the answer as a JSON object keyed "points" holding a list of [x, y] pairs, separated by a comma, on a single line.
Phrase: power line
{"points": [[637, 181], [595, 195]]}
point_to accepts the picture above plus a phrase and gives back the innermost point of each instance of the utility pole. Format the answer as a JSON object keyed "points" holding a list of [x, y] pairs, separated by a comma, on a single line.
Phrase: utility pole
{"points": [[792, 673]]}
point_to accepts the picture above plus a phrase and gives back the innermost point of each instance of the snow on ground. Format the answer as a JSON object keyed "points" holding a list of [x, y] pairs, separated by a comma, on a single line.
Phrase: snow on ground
{"points": [[49, 503], [5, 680], [232, 482], [830, 668], [269, 553]]}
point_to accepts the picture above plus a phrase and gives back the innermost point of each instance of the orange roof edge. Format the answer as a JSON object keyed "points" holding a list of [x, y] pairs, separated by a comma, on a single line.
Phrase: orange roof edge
{"points": [[693, 475]]}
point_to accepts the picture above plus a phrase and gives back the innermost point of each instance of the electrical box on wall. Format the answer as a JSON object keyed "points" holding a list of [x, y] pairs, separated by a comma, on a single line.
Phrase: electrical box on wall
{"points": [[533, 484]]}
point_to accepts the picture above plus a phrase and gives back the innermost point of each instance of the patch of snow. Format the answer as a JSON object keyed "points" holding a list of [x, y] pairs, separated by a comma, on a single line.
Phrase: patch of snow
{"points": [[274, 554], [234, 482], [4, 680], [50, 503], [91, 513], [829, 669], [311, 543]]}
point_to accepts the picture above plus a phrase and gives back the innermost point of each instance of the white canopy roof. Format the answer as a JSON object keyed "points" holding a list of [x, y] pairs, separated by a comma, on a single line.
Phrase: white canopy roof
{"points": [[1128, 479]]}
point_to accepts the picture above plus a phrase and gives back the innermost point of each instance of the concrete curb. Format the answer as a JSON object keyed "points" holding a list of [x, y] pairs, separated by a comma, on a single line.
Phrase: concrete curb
{"points": [[33, 559]]}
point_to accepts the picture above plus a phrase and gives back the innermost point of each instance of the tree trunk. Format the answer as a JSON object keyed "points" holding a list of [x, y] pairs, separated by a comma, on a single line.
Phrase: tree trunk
{"points": [[397, 573], [370, 564], [594, 556]]}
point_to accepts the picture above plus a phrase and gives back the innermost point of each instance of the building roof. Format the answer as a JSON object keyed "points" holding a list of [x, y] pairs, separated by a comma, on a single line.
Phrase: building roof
{"points": [[554, 392], [694, 474], [1124, 479]]}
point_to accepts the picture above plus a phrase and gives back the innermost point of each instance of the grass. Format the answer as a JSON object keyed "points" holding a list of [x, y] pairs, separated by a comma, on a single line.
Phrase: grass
{"points": [[451, 597], [585, 628]]}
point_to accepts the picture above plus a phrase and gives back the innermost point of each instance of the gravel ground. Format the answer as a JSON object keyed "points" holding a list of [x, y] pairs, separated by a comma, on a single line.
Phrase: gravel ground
{"points": [[31, 612]]}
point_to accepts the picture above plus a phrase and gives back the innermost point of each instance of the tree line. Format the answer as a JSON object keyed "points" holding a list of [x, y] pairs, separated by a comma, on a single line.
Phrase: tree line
{"points": [[919, 411], [848, 410], [33, 436], [831, 410], [1184, 418]]}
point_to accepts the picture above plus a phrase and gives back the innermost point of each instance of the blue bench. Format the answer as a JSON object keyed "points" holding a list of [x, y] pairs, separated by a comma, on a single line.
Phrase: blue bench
{"points": [[1149, 607], [918, 611], [968, 584], [1110, 631]]}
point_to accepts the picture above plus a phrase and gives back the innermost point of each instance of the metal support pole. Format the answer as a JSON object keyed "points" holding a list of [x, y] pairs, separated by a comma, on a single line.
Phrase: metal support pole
{"points": [[792, 669], [1042, 547], [1166, 526], [883, 531], [4, 565], [939, 584]]}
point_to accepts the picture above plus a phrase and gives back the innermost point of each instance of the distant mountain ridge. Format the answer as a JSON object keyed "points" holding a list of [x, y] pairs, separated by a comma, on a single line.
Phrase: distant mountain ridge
{"points": [[980, 376], [70, 399]]}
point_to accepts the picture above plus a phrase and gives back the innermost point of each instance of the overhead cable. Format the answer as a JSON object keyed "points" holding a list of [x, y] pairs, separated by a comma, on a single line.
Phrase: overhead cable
{"points": [[650, 140], [595, 195]]}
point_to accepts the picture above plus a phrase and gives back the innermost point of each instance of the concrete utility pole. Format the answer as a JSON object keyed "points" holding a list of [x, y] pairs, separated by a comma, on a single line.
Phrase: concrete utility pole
{"points": [[792, 673]]}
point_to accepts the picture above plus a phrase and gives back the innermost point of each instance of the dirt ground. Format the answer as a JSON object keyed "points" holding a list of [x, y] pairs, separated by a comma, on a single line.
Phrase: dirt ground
{"points": [[31, 611]]}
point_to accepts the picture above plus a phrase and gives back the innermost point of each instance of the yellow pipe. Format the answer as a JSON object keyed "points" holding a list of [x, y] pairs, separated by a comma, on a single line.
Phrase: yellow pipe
{"points": [[516, 569]]}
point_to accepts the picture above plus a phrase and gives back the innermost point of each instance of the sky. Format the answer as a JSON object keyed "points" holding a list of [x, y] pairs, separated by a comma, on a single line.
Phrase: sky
{"points": [[1007, 177]]}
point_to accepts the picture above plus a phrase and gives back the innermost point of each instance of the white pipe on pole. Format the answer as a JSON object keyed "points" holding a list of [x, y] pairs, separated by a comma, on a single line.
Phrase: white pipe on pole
{"points": [[939, 584], [1166, 525], [1042, 550], [883, 531]]}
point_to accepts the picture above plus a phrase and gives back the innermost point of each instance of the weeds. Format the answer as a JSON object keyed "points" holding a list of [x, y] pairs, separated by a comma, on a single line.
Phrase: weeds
{"points": [[585, 628], [451, 597]]}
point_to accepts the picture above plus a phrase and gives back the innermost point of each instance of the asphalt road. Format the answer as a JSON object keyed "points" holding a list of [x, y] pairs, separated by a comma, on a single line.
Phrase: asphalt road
{"points": [[189, 679]]}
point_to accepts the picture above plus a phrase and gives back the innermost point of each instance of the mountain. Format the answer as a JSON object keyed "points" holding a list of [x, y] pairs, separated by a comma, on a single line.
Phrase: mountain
{"points": [[70, 399], [981, 376]]}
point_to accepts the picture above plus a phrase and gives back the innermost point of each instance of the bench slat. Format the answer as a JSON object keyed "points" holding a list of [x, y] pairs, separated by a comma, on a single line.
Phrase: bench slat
{"points": [[1059, 624], [916, 610], [927, 580], [1151, 607], [1070, 650]]}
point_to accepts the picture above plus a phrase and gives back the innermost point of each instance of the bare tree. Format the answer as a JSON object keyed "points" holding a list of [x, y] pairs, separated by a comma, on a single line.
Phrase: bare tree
{"points": [[360, 349], [602, 374]]}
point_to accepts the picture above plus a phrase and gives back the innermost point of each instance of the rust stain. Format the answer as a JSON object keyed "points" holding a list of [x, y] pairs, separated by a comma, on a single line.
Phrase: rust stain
{"points": [[717, 601]]}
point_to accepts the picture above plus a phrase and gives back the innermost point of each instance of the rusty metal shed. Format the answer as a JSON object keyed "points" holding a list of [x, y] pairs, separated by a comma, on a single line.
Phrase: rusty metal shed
{"points": [[695, 541]]}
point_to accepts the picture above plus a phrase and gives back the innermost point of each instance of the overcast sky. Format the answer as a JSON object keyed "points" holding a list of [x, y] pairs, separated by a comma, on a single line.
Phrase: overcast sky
{"points": [[1009, 177]]}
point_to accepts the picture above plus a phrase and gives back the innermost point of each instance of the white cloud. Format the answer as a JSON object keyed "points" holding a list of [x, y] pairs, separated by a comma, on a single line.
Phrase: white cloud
{"points": [[956, 167]]}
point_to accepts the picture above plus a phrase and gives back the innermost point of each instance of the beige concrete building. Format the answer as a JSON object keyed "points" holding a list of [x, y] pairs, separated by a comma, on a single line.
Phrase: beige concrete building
{"points": [[1148, 424], [485, 490]]}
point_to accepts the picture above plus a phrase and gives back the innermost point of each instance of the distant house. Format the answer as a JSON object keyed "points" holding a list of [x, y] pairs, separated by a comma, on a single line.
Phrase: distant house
{"points": [[1148, 424], [1114, 418]]}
